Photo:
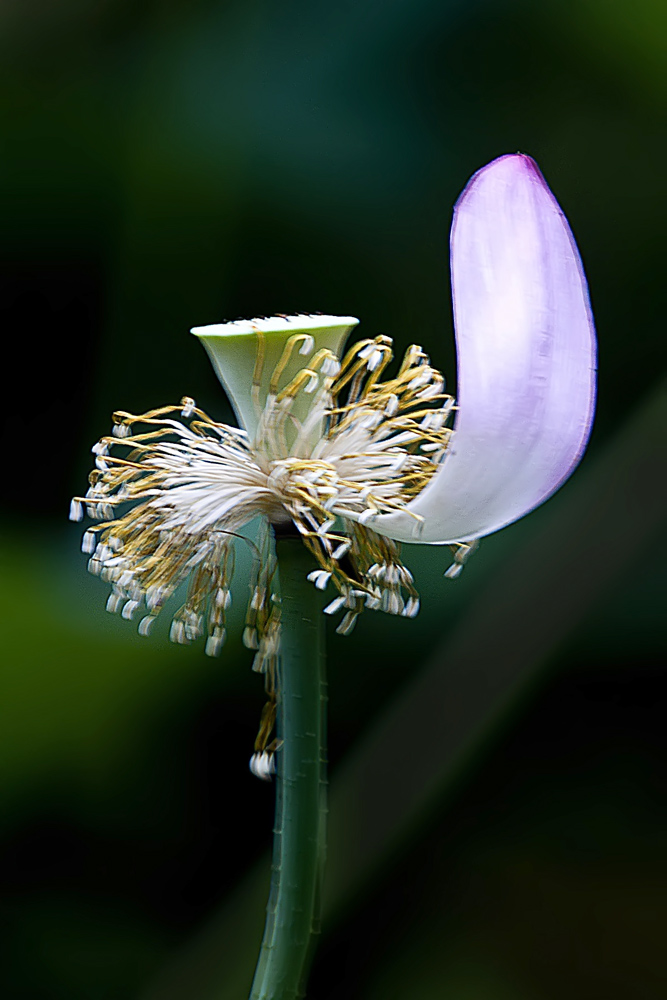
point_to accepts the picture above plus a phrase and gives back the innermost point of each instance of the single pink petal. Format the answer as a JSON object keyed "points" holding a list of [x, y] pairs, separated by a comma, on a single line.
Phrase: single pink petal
{"points": [[526, 359]]}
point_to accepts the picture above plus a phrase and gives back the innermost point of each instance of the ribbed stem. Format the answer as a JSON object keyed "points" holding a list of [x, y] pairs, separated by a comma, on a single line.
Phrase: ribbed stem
{"points": [[299, 833]]}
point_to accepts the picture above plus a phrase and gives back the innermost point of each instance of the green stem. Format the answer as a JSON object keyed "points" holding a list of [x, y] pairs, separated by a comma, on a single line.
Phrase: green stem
{"points": [[299, 841]]}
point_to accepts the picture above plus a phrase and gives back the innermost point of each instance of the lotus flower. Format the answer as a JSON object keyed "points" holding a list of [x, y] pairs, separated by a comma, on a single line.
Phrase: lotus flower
{"points": [[354, 461]]}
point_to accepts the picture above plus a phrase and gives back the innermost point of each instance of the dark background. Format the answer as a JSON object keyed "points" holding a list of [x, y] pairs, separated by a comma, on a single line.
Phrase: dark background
{"points": [[166, 164]]}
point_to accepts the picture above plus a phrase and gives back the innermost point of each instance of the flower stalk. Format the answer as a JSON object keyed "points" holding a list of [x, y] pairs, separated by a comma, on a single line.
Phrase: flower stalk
{"points": [[299, 832]]}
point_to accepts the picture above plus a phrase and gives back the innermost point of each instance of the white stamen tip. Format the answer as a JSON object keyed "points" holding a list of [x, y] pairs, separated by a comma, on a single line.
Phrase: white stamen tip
{"points": [[347, 624], [308, 345], [177, 632], [215, 642], [250, 638], [391, 409], [114, 601], [374, 360], [188, 407], [421, 379], [76, 510], [223, 598], [454, 570], [263, 765], [330, 366], [258, 598], [88, 542], [320, 577], [342, 550], [128, 610], [335, 606], [146, 624], [411, 607]]}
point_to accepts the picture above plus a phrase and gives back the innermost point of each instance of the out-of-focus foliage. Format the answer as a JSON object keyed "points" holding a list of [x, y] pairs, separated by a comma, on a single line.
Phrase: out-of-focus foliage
{"points": [[166, 164]]}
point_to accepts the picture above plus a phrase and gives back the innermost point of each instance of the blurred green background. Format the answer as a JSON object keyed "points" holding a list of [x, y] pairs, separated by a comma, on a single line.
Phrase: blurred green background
{"points": [[498, 815]]}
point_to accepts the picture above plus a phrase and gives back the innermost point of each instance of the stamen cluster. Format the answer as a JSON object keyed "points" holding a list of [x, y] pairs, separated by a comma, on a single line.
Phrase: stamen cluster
{"points": [[173, 488]]}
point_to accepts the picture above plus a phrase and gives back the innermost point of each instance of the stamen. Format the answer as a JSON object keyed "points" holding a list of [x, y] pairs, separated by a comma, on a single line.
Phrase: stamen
{"points": [[88, 542], [335, 606], [114, 601], [342, 550], [262, 765], [76, 510], [320, 578], [347, 624], [374, 360], [177, 632], [146, 624], [392, 405], [411, 607], [257, 600], [188, 405], [223, 597], [174, 490], [215, 642], [128, 610], [250, 638], [330, 366]]}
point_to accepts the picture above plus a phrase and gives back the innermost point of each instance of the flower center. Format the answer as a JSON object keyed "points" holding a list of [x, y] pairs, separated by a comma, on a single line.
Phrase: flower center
{"points": [[334, 447]]}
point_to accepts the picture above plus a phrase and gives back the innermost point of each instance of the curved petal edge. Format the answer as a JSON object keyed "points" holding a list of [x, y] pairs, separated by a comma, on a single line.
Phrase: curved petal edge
{"points": [[526, 360]]}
